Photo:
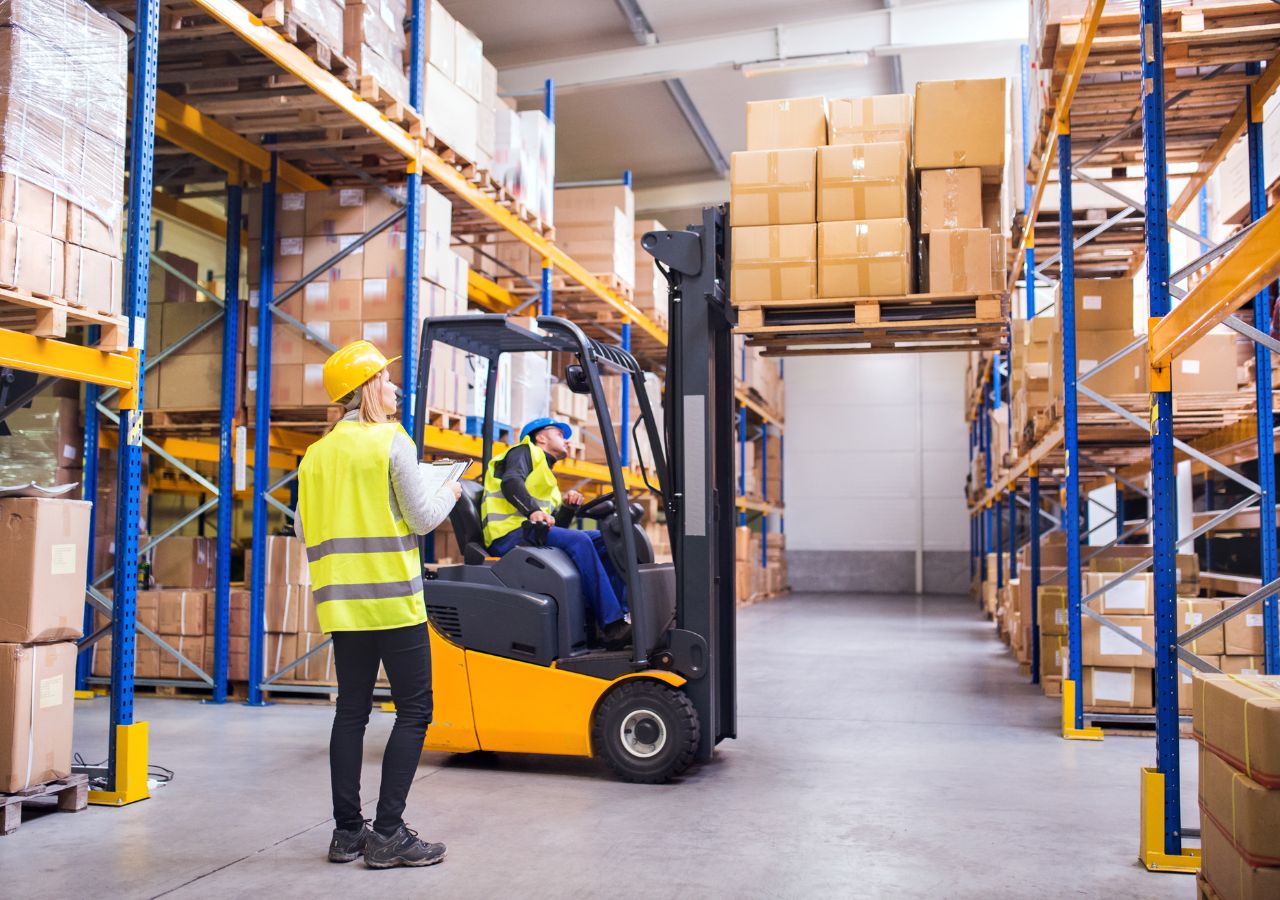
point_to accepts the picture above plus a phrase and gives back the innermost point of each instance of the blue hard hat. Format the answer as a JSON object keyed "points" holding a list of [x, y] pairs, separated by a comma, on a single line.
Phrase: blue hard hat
{"points": [[545, 422]]}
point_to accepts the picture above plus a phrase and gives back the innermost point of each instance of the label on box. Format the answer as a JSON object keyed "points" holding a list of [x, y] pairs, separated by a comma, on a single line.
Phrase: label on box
{"points": [[1125, 595], [375, 332], [1190, 367], [1186, 679], [346, 240], [291, 246], [351, 197], [50, 691], [1253, 620], [251, 380], [241, 454], [1252, 672], [319, 329], [253, 298], [294, 201], [63, 560], [1114, 686], [68, 451], [1091, 301], [1192, 619], [313, 373], [253, 336], [1112, 644], [1087, 365]]}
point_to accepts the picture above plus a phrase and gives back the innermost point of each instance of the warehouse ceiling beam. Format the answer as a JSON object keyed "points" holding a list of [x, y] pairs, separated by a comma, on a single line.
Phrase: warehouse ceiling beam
{"points": [[252, 30], [881, 32]]}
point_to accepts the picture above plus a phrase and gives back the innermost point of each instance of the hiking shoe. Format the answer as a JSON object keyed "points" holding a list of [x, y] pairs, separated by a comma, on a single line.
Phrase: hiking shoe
{"points": [[617, 635], [404, 848], [348, 846]]}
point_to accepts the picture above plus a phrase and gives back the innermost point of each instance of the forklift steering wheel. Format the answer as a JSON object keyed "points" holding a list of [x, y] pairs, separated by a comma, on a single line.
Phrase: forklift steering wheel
{"points": [[597, 507]]}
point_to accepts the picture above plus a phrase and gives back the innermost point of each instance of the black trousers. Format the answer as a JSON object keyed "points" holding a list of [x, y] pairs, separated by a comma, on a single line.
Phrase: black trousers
{"points": [[406, 655]]}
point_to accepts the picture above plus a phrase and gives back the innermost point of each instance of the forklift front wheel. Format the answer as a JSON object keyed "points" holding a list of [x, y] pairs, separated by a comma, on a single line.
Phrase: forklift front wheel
{"points": [[646, 731]]}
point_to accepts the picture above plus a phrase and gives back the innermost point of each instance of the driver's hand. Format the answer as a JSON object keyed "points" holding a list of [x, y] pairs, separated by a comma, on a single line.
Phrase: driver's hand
{"points": [[457, 490], [574, 498], [541, 517]]}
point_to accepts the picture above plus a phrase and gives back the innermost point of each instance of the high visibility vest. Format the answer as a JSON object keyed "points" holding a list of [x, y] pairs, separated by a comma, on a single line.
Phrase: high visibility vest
{"points": [[366, 572], [497, 514]]}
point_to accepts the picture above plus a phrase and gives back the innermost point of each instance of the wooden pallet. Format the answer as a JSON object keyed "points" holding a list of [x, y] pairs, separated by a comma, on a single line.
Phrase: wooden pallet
{"points": [[872, 310], [71, 794], [448, 420], [50, 317], [395, 108], [282, 17]]}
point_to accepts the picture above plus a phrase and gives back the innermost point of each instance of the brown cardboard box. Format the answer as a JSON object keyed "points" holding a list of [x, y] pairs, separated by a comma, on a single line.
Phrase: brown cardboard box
{"points": [[1209, 367], [335, 212], [862, 181], [278, 652], [961, 124], [1121, 559], [774, 262], [780, 124], [950, 198], [1221, 705], [286, 561], [1120, 688], [1053, 654], [999, 260], [1243, 635], [1135, 596], [45, 546], [1226, 868], [595, 205], [1242, 665], [1053, 610], [1190, 614], [770, 187], [1051, 685], [283, 607], [147, 604], [31, 261], [313, 392], [26, 203], [238, 612], [182, 612], [191, 381], [190, 646], [91, 280], [184, 562], [869, 120], [742, 542], [1100, 646], [237, 656], [169, 288], [318, 666], [339, 300], [37, 686], [1127, 375], [864, 259], [959, 261], [1103, 304], [1187, 680], [86, 229]]}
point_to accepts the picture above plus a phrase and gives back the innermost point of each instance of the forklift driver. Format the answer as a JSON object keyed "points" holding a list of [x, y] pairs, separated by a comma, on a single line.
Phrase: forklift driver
{"points": [[522, 504]]}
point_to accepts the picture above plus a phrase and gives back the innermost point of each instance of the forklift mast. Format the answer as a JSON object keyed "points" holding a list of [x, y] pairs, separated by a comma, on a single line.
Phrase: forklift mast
{"points": [[698, 408]]}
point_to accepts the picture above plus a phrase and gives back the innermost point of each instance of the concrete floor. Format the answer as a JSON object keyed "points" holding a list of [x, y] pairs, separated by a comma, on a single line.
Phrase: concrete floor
{"points": [[888, 748]]}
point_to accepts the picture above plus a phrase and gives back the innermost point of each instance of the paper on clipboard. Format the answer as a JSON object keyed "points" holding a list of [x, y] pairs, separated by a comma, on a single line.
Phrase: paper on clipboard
{"points": [[440, 472]]}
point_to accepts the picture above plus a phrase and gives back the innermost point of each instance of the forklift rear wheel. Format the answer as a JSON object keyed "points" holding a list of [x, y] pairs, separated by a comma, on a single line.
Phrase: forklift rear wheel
{"points": [[646, 731]]}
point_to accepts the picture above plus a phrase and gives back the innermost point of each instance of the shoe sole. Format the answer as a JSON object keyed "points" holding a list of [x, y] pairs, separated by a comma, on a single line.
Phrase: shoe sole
{"points": [[340, 858], [400, 861]]}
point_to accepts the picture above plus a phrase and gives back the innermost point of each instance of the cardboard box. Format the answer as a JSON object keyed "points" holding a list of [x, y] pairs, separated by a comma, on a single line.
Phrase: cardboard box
{"points": [[182, 612], [283, 606], [769, 187], [961, 124], [318, 666], [1209, 367], [1228, 871], [37, 687], [92, 280], [184, 562], [1100, 646], [26, 203], [1127, 375], [1242, 665], [167, 287], [31, 261], [278, 652], [1052, 614], [1051, 685], [1053, 654], [1243, 635], [1103, 304], [959, 261], [286, 561], [950, 199], [190, 381], [862, 181], [238, 612], [1192, 613], [782, 124], [1221, 705], [45, 545], [1121, 559], [1135, 596], [774, 262], [1187, 681], [864, 259], [869, 120], [336, 212], [190, 646], [1120, 688], [237, 656]]}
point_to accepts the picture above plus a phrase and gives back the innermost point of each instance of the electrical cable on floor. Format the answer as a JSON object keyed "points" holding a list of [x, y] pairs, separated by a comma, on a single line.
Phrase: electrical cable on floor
{"points": [[157, 775]]}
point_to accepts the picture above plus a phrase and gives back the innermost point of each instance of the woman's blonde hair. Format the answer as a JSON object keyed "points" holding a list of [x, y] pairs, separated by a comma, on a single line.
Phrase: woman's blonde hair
{"points": [[372, 412]]}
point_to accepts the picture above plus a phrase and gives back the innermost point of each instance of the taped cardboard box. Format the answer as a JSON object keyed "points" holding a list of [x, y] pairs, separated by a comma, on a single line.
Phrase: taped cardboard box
{"points": [[1192, 613], [1238, 718], [1121, 559], [1102, 646], [1209, 367], [37, 687], [1135, 596], [237, 656], [869, 120], [1242, 665], [771, 187], [1102, 304], [31, 262], [184, 562], [1243, 635], [950, 199], [1228, 871], [286, 560], [182, 612], [1053, 654], [45, 545], [1127, 375], [862, 181], [864, 259], [774, 262], [1187, 681], [237, 612], [961, 124], [1119, 688], [283, 606], [190, 646], [147, 605], [959, 261], [782, 124]]}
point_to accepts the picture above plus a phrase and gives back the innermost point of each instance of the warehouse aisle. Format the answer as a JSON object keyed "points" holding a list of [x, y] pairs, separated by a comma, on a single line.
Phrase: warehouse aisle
{"points": [[888, 748]]}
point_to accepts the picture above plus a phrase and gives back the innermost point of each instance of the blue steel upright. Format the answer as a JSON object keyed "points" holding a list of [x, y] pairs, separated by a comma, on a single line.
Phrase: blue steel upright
{"points": [[1028, 191], [137, 277], [1071, 442], [1262, 370], [262, 437], [549, 110], [226, 428], [89, 491], [1013, 532], [742, 461], [1034, 562], [413, 227], [764, 492], [1163, 479]]}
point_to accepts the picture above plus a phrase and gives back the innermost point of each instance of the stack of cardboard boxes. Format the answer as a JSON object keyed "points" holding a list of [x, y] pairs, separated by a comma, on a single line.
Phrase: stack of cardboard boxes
{"points": [[594, 225], [63, 72], [45, 443], [373, 38], [291, 625], [45, 545], [1235, 720]]}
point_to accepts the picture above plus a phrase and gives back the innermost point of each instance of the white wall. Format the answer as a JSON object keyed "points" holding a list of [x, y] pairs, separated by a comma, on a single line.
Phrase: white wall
{"points": [[876, 452]]}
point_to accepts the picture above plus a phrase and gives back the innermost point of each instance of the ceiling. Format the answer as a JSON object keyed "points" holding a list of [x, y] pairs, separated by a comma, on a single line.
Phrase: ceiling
{"points": [[615, 109]]}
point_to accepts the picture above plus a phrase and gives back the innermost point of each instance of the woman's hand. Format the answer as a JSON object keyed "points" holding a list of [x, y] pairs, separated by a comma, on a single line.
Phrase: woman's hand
{"points": [[457, 490]]}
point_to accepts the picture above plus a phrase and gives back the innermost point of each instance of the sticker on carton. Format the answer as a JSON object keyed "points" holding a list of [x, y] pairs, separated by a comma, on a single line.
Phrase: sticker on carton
{"points": [[50, 691], [294, 201], [351, 197], [1130, 594], [1112, 644], [1192, 619], [291, 246], [1114, 686], [1091, 301], [1190, 366], [62, 559], [1253, 620]]}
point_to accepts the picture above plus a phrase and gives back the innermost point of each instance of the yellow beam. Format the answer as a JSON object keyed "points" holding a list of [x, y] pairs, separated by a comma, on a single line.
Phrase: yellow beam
{"points": [[192, 215], [1000, 484], [251, 29], [1245, 270], [194, 450], [193, 131], [441, 441], [756, 505], [1061, 119], [47, 356], [489, 294], [765, 412]]}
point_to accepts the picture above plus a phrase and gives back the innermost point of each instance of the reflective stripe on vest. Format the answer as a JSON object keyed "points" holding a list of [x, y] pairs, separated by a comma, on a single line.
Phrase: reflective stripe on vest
{"points": [[497, 514], [366, 572]]}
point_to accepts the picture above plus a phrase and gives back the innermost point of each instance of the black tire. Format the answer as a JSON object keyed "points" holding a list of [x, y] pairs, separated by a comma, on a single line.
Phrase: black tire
{"points": [[646, 731]]}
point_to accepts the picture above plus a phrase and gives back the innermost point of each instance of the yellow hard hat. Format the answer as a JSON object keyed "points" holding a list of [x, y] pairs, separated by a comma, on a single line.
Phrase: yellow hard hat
{"points": [[351, 366]]}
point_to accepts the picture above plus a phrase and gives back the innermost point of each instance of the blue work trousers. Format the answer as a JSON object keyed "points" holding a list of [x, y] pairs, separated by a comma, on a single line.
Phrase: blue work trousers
{"points": [[602, 588]]}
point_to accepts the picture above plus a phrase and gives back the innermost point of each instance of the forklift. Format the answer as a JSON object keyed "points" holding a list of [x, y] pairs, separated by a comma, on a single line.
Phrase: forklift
{"points": [[515, 667]]}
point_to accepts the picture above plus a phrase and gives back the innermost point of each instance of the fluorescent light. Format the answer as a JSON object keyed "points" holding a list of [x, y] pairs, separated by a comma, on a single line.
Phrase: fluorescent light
{"points": [[854, 60]]}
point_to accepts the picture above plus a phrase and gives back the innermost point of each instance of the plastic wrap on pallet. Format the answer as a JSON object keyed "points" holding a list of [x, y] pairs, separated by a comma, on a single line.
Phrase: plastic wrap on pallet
{"points": [[539, 154], [508, 145], [323, 18], [42, 443], [530, 387], [375, 40], [63, 99]]}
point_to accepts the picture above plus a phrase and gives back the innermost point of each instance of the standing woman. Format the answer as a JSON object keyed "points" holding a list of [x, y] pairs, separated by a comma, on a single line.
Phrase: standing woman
{"points": [[362, 502]]}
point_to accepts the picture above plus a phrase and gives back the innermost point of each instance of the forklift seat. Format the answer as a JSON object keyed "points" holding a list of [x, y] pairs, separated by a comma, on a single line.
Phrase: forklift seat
{"points": [[465, 519]]}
